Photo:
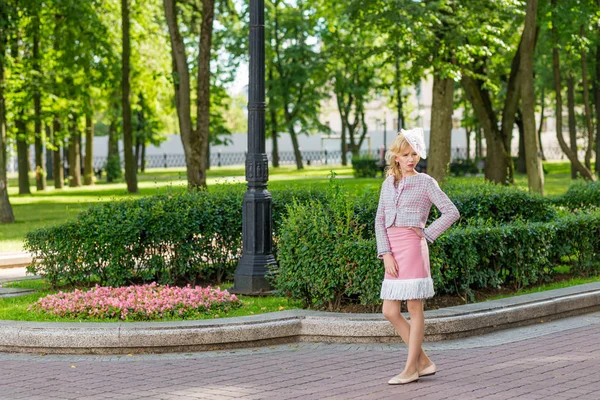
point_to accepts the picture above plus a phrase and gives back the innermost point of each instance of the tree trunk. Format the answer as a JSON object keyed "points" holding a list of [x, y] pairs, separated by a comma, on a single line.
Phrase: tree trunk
{"points": [[138, 153], [88, 169], [497, 157], [130, 169], [295, 145], [521, 164], [6, 212], [344, 145], [75, 155], [539, 133], [597, 90], [182, 95], [49, 164], [273, 120], [478, 143], [23, 156], [535, 173], [572, 122], [40, 173], [588, 109], [398, 88], [143, 160], [57, 162], [586, 173], [440, 134], [468, 136], [201, 142]]}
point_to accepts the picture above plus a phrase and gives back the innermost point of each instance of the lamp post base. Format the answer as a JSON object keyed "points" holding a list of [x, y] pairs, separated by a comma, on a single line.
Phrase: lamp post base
{"points": [[251, 275]]}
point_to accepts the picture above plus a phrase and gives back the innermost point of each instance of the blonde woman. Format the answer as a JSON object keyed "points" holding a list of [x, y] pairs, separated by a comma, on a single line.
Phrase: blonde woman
{"points": [[404, 205]]}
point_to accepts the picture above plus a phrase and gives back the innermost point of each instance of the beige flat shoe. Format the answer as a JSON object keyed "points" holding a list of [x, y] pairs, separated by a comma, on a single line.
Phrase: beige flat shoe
{"points": [[402, 381], [428, 371]]}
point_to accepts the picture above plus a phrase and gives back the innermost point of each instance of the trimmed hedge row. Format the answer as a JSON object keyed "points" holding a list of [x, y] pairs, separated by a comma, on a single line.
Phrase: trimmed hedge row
{"points": [[581, 195], [180, 238], [324, 258], [196, 237]]}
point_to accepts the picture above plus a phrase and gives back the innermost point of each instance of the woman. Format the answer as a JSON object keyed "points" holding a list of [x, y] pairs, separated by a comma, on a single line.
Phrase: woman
{"points": [[404, 204]]}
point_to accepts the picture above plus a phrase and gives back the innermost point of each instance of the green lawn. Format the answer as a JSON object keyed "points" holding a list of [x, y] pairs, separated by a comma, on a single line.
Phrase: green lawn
{"points": [[52, 206]]}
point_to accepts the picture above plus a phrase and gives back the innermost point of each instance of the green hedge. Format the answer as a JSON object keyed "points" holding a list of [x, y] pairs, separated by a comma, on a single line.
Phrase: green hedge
{"points": [[324, 256], [196, 238], [179, 238], [581, 195], [365, 166], [501, 204]]}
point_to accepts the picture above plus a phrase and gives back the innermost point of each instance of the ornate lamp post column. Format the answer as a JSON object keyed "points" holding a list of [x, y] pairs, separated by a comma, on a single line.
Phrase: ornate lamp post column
{"points": [[257, 241]]}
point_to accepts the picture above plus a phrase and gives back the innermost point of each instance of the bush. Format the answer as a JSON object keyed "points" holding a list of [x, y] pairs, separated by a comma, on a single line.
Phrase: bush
{"points": [[462, 167], [501, 204], [327, 257], [323, 257], [365, 166], [113, 168], [180, 238], [581, 195], [169, 238]]}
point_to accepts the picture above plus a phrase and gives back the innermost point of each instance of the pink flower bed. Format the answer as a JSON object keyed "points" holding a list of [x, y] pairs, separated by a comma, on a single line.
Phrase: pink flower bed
{"points": [[141, 302]]}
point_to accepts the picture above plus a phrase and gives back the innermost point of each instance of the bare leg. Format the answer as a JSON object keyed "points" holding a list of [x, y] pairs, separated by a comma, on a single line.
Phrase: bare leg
{"points": [[391, 311], [417, 328]]}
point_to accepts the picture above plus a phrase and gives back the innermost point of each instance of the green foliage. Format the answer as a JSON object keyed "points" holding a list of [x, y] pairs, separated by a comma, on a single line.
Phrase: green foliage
{"points": [[179, 238], [113, 168], [323, 238], [365, 166], [581, 195], [326, 256], [463, 167], [498, 203], [323, 257]]}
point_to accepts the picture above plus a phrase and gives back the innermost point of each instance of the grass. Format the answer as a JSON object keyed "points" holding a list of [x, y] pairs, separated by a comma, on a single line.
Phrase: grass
{"points": [[15, 308], [550, 286], [52, 207]]}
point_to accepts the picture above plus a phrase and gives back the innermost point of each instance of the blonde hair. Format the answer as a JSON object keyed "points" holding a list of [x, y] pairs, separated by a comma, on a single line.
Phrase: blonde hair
{"points": [[396, 148]]}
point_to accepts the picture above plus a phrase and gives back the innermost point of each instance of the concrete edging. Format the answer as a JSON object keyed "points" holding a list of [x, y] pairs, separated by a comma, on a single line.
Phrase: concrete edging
{"points": [[291, 326]]}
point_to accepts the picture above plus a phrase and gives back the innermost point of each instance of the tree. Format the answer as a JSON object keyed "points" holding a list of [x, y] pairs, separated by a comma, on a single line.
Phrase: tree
{"points": [[130, 168], [353, 67], [194, 139], [535, 173], [585, 172], [6, 212], [300, 68], [489, 61]]}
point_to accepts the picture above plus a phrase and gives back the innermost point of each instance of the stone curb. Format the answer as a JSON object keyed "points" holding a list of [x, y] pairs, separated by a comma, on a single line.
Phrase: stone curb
{"points": [[291, 326], [14, 259]]}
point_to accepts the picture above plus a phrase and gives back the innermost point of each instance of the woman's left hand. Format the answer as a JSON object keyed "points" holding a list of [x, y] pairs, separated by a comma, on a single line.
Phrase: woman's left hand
{"points": [[418, 231]]}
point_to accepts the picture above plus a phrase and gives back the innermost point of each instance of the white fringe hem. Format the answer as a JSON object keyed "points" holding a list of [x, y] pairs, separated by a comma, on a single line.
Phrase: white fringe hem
{"points": [[407, 289]]}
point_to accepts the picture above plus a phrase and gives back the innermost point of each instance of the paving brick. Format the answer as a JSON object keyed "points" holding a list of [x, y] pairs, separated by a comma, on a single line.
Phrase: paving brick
{"points": [[536, 365]]}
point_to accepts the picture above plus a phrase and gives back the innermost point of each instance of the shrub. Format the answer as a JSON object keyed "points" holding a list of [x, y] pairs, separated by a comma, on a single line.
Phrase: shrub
{"points": [[327, 257], [365, 166], [113, 168], [323, 256], [581, 195], [137, 303], [462, 167], [501, 204], [169, 238]]}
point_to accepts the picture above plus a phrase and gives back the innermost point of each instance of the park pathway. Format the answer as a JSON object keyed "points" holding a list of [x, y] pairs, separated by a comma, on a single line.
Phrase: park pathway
{"points": [[553, 360]]}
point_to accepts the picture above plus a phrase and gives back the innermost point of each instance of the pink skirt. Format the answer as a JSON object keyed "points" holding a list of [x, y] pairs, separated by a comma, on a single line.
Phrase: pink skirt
{"points": [[412, 257]]}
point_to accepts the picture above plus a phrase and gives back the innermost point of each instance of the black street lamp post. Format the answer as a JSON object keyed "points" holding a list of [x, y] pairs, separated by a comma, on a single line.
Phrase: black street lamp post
{"points": [[257, 242]]}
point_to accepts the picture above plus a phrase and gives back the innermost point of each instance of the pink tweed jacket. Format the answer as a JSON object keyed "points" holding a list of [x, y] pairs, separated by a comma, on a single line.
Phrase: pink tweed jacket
{"points": [[408, 205]]}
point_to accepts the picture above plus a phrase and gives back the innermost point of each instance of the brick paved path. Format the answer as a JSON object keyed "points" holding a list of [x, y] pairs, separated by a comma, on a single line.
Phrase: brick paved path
{"points": [[553, 361]]}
